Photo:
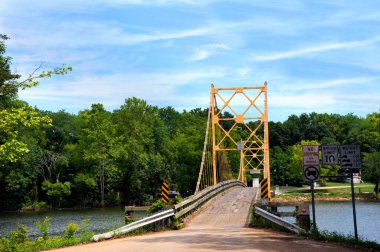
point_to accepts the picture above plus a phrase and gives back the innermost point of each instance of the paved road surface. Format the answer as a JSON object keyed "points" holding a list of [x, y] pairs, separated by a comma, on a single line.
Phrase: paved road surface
{"points": [[219, 226]]}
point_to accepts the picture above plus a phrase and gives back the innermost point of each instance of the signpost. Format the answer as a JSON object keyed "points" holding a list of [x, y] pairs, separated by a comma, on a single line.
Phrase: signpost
{"points": [[330, 154], [310, 154], [350, 158]]}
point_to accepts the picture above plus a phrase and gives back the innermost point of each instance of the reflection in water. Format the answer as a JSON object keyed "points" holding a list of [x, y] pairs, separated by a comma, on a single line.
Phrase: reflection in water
{"points": [[100, 219]]}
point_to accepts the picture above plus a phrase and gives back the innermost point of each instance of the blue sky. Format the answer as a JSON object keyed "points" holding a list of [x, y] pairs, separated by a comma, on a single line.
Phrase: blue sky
{"points": [[321, 56]]}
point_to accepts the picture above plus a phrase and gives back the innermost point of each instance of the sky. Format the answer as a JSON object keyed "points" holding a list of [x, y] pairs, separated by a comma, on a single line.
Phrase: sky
{"points": [[317, 56]]}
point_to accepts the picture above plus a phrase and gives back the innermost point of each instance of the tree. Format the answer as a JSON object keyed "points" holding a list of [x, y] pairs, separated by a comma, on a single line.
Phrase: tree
{"points": [[98, 142], [371, 169], [56, 191]]}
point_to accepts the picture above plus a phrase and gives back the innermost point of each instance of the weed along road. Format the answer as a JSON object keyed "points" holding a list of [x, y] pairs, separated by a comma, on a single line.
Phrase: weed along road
{"points": [[221, 225]]}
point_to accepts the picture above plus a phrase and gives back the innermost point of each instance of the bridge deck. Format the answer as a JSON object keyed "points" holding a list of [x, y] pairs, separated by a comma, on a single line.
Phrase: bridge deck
{"points": [[220, 226]]}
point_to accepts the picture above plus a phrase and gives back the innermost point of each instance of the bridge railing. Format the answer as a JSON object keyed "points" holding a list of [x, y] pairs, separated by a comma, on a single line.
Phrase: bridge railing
{"points": [[277, 220], [180, 210]]}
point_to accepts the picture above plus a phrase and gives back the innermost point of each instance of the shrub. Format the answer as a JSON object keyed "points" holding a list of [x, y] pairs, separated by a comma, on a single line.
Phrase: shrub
{"points": [[71, 229], [156, 206], [20, 235], [44, 227]]}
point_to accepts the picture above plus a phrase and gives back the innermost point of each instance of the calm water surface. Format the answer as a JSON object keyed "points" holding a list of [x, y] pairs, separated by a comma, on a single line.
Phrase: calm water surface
{"points": [[338, 217], [100, 220]]}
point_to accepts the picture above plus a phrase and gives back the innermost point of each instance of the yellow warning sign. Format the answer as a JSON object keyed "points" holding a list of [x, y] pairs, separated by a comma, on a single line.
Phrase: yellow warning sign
{"points": [[264, 189], [165, 192]]}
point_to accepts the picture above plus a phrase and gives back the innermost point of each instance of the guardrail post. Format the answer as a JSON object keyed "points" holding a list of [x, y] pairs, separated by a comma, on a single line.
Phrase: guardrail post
{"points": [[303, 216]]}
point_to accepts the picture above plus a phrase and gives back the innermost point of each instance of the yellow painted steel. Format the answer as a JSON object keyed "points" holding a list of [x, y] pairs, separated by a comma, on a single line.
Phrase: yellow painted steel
{"points": [[255, 154], [222, 134]]}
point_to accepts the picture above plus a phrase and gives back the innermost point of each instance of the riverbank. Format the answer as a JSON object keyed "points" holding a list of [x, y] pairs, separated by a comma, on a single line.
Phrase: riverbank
{"points": [[306, 197]]}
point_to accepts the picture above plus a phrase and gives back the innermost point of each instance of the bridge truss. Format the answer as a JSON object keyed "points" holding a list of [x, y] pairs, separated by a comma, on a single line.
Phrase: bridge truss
{"points": [[237, 129]]}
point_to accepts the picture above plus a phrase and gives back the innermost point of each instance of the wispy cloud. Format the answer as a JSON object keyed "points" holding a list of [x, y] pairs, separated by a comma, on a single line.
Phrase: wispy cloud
{"points": [[157, 88], [315, 49], [208, 50], [323, 84]]}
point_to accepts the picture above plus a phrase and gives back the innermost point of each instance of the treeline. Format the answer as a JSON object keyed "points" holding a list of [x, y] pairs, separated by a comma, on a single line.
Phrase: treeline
{"points": [[99, 158]]}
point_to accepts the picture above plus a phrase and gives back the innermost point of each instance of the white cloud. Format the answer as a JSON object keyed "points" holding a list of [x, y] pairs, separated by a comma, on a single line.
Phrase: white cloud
{"points": [[113, 89], [326, 84], [315, 49], [208, 50]]}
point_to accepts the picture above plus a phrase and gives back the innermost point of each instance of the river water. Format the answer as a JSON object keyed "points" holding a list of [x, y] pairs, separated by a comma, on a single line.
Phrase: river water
{"points": [[338, 217], [100, 219]]}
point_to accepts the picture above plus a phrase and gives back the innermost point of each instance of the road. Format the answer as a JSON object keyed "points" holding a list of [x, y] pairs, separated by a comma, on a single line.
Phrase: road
{"points": [[221, 225]]}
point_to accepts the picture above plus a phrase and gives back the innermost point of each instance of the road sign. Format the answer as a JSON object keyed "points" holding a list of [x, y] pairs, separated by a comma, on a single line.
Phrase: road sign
{"points": [[165, 192], [350, 157], [330, 154], [240, 145], [264, 188], [311, 173], [310, 155]]}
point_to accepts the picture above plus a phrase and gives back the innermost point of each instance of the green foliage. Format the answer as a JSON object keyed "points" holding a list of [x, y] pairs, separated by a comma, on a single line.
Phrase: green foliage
{"points": [[32, 206], [56, 191], [44, 227], [84, 187], [71, 229], [342, 239], [156, 206], [20, 235]]}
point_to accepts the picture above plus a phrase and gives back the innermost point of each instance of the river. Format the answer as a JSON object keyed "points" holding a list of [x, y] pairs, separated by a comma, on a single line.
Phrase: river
{"points": [[338, 217], [100, 219]]}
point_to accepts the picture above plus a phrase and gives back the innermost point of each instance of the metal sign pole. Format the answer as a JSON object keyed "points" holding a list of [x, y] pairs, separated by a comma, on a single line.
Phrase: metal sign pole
{"points": [[312, 204], [353, 203]]}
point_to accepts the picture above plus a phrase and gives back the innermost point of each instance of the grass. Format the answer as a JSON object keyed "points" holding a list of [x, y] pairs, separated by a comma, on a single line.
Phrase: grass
{"points": [[362, 190]]}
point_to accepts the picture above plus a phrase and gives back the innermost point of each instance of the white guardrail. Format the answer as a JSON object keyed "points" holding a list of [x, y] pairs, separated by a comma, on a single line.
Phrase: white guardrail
{"points": [[180, 210], [275, 219]]}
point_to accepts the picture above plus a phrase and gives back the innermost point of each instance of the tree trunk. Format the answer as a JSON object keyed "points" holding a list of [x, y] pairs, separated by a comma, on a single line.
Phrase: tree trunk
{"points": [[101, 180], [376, 186]]}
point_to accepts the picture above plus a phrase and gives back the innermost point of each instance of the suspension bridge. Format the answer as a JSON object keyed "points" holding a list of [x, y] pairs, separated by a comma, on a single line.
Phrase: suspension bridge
{"points": [[236, 144]]}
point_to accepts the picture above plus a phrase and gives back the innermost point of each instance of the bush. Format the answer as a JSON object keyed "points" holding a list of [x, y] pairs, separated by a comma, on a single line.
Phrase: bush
{"points": [[71, 229], [20, 235], [44, 227], [84, 229], [156, 206], [32, 206]]}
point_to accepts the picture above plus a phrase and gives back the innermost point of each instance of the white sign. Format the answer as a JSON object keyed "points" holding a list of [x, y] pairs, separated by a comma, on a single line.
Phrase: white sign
{"points": [[330, 154], [311, 173], [240, 145], [310, 155], [350, 157]]}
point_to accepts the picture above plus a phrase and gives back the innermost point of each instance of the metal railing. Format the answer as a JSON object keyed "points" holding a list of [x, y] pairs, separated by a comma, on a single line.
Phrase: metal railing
{"points": [[275, 219], [135, 225], [181, 210]]}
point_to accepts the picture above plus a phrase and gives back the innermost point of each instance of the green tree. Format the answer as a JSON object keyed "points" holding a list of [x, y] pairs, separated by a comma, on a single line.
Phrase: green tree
{"points": [[371, 169], [84, 187], [56, 191], [99, 142]]}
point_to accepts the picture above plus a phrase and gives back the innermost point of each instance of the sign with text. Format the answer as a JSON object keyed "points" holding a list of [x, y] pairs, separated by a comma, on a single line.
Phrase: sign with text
{"points": [[310, 155], [350, 157], [330, 154]]}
